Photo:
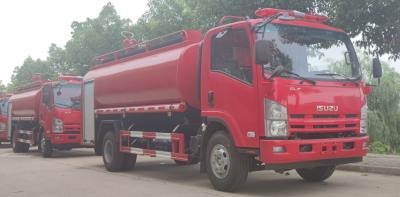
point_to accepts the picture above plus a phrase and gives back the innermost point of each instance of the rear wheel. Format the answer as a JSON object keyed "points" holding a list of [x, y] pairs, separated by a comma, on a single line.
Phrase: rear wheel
{"points": [[226, 168], [317, 174], [19, 147], [113, 159]]}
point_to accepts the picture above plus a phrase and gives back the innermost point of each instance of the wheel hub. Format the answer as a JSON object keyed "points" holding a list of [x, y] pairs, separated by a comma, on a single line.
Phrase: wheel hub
{"points": [[220, 161], [108, 151]]}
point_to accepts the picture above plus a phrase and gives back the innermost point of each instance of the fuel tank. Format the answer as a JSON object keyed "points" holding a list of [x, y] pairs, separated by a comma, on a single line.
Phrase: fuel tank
{"points": [[160, 71], [25, 102]]}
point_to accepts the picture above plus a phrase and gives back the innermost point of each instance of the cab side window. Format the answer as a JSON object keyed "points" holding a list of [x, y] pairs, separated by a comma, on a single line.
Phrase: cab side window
{"points": [[230, 54], [46, 95]]}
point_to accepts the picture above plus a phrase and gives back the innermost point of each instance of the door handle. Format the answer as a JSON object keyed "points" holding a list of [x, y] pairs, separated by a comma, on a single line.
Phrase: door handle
{"points": [[210, 99]]}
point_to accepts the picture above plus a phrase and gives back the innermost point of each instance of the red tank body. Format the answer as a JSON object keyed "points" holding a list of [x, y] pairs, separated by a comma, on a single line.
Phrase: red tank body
{"points": [[154, 76], [25, 102]]}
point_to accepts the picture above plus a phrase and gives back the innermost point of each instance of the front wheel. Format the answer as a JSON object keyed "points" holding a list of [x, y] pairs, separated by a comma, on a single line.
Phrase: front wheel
{"points": [[113, 159], [227, 169], [317, 174], [45, 147]]}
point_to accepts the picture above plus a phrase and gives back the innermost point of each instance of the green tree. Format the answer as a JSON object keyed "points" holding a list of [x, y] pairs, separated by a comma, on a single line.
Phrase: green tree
{"points": [[377, 22], [373, 20], [23, 74], [93, 37], [3, 88], [57, 57]]}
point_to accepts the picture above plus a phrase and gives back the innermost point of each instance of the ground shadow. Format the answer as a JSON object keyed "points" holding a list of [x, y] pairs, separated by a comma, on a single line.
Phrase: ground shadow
{"points": [[74, 153], [5, 145], [259, 183]]}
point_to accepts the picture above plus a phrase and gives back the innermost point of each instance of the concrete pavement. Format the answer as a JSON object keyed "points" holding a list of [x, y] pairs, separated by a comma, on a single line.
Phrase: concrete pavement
{"points": [[79, 173], [376, 163]]}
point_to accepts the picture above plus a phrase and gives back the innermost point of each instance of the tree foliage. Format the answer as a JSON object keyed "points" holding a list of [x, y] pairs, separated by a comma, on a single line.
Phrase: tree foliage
{"points": [[374, 23], [94, 37], [23, 74]]}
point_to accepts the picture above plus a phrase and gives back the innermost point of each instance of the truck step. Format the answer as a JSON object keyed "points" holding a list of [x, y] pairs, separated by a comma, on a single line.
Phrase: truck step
{"points": [[176, 140]]}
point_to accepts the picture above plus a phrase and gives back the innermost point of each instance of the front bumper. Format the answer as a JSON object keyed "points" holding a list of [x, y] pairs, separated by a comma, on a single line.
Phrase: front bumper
{"points": [[3, 135], [65, 139], [322, 149]]}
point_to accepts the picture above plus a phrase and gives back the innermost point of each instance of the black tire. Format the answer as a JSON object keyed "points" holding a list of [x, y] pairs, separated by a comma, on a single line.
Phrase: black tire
{"points": [[45, 147], [19, 147], [235, 172], [129, 161], [113, 159], [317, 174]]}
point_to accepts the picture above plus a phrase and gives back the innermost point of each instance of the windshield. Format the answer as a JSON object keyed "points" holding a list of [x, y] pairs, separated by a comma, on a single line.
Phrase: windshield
{"points": [[311, 53], [67, 96], [3, 107]]}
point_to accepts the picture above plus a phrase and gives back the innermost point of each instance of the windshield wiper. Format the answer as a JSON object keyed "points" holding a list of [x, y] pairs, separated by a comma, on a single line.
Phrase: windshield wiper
{"points": [[280, 69], [340, 75]]}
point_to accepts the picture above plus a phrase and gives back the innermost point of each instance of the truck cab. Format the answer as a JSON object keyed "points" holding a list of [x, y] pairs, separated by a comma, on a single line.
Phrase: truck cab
{"points": [[48, 115], [289, 90]]}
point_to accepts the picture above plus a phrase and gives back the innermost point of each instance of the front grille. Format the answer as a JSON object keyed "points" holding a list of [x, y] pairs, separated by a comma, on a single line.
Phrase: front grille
{"points": [[322, 135], [72, 128], [318, 126], [72, 132], [326, 116]]}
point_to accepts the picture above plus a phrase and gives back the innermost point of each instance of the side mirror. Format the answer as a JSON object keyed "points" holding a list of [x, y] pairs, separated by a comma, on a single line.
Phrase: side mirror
{"points": [[376, 68], [263, 51]]}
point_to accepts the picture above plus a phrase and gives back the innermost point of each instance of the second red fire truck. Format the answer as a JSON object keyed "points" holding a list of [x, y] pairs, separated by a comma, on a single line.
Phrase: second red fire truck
{"points": [[4, 117], [46, 114]]}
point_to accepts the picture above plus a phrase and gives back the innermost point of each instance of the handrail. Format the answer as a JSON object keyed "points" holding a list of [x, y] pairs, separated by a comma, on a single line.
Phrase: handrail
{"points": [[157, 43]]}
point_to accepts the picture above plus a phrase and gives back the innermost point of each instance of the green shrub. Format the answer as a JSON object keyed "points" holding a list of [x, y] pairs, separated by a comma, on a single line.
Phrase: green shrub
{"points": [[378, 147]]}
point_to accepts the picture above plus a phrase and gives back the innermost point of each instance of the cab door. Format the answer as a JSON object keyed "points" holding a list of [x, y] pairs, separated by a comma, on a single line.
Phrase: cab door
{"points": [[45, 112], [229, 82]]}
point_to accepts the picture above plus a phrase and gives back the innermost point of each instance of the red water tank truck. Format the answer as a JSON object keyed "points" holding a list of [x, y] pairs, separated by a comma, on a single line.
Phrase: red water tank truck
{"points": [[4, 115], [47, 114], [282, 91]]}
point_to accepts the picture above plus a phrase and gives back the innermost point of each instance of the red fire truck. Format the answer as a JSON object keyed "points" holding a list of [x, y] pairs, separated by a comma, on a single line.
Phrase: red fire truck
{"points": [[47, 114], [4, 137], [282, 91]]}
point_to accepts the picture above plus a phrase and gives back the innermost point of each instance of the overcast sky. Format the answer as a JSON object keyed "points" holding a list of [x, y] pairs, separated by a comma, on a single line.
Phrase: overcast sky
{"points": [[28, 27]]}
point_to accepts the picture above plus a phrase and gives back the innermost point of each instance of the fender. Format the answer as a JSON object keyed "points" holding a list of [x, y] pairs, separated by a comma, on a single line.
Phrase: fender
{"points": [[230, 123], [116, 125]]}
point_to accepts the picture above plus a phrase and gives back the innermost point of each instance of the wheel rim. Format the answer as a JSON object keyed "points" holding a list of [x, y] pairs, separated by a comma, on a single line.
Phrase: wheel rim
{"points": [[42, 143], [108, 151], [220, 161]]}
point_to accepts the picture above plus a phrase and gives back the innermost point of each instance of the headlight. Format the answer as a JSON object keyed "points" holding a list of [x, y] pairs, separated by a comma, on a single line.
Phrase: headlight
{"points": [[57, 125], [275, 119], [364, 119]]}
